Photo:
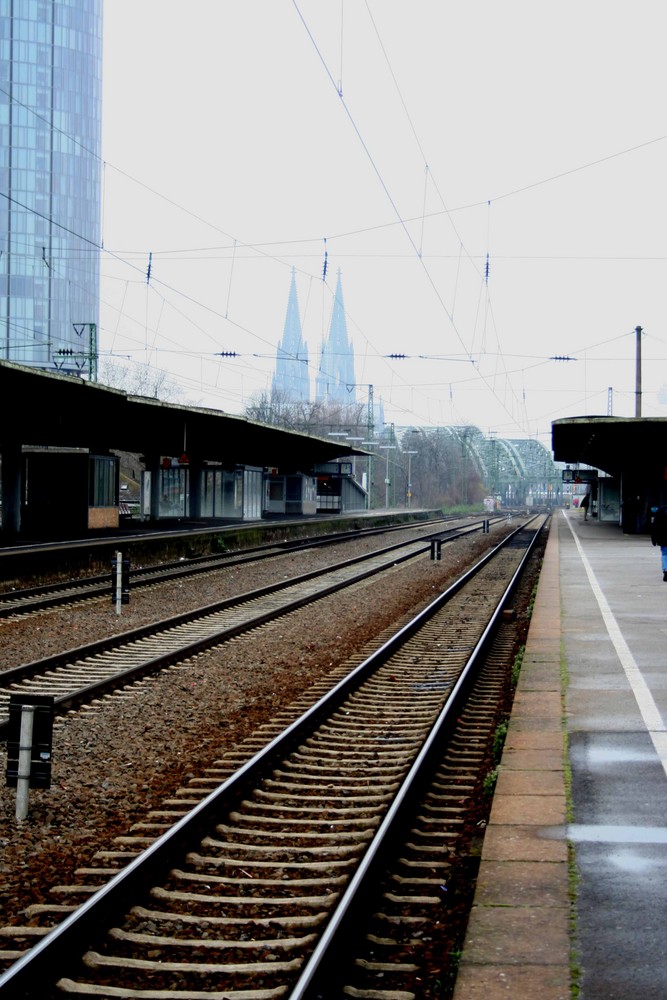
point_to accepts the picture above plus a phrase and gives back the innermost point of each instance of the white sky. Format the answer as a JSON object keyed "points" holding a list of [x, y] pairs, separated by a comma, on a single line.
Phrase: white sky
{"points": [[415, 138]]}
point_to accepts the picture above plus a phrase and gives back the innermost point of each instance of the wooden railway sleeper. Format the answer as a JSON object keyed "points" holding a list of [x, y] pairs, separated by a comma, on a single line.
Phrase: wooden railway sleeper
{"points": [[253, 884], [204, 942], [327, 865], [315, 811], [293, 836], [288, 822], [354, 759], [307, 920], [342, 851], [244, 848], [94, 960], [358, 762], [315, 785]]}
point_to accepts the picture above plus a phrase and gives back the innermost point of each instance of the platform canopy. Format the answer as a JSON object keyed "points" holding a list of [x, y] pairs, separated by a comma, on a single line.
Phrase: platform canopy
{"points": [[613, 444], [44, 409]]}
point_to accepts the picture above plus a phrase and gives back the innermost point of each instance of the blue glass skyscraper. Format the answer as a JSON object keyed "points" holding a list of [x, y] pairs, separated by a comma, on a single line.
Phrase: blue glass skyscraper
{"points": [[50, 170]]}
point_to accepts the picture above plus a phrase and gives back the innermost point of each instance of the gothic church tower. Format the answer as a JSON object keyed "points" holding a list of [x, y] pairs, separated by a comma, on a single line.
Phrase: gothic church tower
{"points": [[335, 379], [291, 376]]}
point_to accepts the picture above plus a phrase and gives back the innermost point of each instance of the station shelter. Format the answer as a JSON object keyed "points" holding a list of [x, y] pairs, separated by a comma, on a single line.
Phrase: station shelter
{"points": [[338, 489], [620, 461], [59, 457], [601, 489], [66, 506], [176, 490], [294, 494]]}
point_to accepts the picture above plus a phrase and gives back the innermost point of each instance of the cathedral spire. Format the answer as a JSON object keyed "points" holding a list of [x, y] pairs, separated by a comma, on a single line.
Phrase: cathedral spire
{"points": [[291, 376], [335, 380]]}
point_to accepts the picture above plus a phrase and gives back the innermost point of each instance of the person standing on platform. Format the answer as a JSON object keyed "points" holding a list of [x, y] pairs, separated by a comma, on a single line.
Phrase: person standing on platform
{"points": [[659, 536], [584, 505]]}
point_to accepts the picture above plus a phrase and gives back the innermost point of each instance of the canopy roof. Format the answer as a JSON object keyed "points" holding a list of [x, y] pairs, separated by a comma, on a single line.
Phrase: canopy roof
{"points": [[39, 408], [613, 444]]}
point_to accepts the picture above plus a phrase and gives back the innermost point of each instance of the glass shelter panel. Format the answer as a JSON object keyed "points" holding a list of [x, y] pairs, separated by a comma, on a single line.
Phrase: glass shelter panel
{"points": [[252, 493], [174, 499], [103, 481], [207, 498], [232, 494], [217, 493]]}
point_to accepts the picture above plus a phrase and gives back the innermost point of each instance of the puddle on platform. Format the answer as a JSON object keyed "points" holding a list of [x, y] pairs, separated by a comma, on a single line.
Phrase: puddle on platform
{"points": [[630, 861], [605, 833], [597, 756]]}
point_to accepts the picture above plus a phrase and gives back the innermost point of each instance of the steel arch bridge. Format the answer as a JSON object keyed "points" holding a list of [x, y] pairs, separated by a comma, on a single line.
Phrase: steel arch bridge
{"points": [[516, 470]]}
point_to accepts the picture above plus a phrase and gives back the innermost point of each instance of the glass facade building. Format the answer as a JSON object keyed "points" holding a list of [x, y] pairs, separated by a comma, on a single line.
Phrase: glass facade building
{"points": [[50, 181]]}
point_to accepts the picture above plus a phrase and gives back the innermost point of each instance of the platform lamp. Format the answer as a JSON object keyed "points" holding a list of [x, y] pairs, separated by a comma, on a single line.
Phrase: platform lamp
{"points": [[370, 444], [354, 441], [337, 434], [410, 454], [387, 448]]}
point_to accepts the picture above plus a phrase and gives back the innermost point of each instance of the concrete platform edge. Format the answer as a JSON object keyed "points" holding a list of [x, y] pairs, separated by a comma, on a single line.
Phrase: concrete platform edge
{"points": [[517, 942]]}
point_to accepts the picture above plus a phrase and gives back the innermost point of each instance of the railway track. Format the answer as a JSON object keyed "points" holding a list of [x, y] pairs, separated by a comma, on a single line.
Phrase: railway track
{"points": [[252, 894], [79, 676], [34, 599]]}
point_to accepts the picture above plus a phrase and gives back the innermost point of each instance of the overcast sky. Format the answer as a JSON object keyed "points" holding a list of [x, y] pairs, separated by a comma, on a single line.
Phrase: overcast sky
{"points": [[407, 141]]}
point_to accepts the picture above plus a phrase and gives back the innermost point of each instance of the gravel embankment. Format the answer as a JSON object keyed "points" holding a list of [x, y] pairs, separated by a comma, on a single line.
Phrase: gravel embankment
{"points": [[111, 767]]}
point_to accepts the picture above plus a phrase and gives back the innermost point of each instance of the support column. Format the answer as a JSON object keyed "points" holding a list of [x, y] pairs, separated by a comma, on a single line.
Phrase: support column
{"points": [[12, 481], [194, 487], [154, 467]]}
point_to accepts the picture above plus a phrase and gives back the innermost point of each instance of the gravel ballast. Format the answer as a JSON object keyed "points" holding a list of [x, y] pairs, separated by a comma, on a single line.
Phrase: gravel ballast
{"points": [[115, 762]]}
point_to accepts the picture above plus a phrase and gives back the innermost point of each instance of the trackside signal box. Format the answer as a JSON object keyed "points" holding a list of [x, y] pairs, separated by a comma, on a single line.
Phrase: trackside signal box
{"points": [[120, 583], [42, 739]]}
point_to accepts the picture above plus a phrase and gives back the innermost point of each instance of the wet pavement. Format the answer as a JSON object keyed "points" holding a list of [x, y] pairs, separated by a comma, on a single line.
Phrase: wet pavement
{"points": [[615, 644], [587, 731]]}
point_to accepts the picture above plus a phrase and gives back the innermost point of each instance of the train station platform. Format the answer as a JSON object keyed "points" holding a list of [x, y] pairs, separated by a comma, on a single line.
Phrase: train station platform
{"points": [[571, 897]]}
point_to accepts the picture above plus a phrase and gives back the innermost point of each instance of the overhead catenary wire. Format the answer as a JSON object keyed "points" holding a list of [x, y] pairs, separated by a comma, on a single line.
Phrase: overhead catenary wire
{"points": [[139, 272], [388, 194], [376, 169], [95, 246], [136, 267], [423, 207], [551, 178]]}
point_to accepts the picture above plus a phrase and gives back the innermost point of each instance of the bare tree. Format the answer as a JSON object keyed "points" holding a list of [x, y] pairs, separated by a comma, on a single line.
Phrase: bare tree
{"points": [[443, 474], [442, 471], [139, 380], [317, 418]]}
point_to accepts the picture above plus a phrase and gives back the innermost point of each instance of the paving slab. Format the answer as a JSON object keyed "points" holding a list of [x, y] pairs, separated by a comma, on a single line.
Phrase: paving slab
{"points": [[517, 842], [497, 982], [518, 935], [512, 783], [522, 883], [601, 613], [517, 941]]}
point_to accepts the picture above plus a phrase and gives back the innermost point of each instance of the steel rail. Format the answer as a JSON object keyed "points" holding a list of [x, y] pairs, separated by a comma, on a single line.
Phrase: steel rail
{"points": [[47, 959], [152, 664], [29, 600], [113, 541], [323, 967]]}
